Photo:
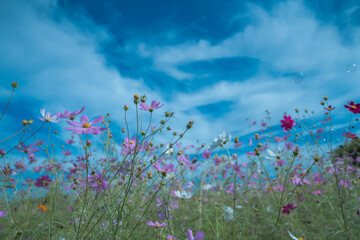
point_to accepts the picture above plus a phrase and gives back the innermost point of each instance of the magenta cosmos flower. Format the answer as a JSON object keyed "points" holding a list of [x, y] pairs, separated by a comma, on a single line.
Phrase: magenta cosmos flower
{"points": [[354, 108], [43, 181], [71, 115], [153, 105], [85, 126], [288, 208], [287, 123], [198, 236], [157, 224]]}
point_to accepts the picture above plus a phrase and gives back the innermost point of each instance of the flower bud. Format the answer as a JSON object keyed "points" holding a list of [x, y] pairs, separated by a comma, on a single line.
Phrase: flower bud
{"points": [[236, 140], [24, 122], [325, 98], [189, 125], [136, 99], [14, 84], [88, 142], [30, 121], [143, 98], [126, 107]]}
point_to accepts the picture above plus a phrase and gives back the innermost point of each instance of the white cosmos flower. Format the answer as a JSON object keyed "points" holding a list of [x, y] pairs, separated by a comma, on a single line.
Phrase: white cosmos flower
{"points": [[293, 237], [222, 138], [228, 213], [277, 154], [207, 186], [183, 194], [47, 117]]}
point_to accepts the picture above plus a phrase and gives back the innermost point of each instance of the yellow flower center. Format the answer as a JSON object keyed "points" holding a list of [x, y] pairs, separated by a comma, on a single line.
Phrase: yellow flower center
{"points": [[301, 239], [131, 142], [86, 125], [353, 107]]}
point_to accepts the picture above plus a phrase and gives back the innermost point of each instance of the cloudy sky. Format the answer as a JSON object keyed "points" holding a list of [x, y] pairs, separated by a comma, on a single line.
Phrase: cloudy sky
{"points": [[214, 62]]}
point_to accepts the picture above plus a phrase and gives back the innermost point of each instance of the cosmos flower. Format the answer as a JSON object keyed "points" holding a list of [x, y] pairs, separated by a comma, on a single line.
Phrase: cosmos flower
{"points": [[43, 208], [43, 181], [288, 208], [329, 108], [47, 118], [277, 154], [27, 149], [317, 192], [198, 236], [354, 108], [2, 213], [157, 224], [287, 123], [183, 194], [153, 105], [86, 127], [221, 139], [345, 183], [167, 168], [71, 115], [228, 213]]}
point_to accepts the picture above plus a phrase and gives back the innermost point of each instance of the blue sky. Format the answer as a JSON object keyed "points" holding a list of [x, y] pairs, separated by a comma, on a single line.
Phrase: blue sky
{"points": [[214, 62]]}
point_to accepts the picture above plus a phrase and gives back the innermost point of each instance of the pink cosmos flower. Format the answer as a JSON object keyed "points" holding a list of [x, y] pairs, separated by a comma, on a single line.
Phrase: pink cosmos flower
{"points": [[287, 123], [279, 163], [2, 213], [85, 126], [68, 114], [97, 182], [43, 181], [198, 236], [297, 180], [157, 224], [345, 183], [354, 108], [27, 149], [154, 105], [70, 141], [67, 152], [317, 192], [206, 154], [167, 168]]}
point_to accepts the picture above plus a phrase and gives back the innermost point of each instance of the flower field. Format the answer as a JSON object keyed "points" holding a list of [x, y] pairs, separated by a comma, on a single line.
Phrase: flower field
{"points": [[293, 179]]}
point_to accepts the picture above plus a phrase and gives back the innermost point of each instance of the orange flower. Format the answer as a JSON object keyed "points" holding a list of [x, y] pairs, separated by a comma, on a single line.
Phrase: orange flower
{"points": [[43, 207]]}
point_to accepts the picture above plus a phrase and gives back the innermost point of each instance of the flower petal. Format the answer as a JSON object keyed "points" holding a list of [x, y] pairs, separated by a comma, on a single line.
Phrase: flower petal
{"points": [[97, 120]]}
